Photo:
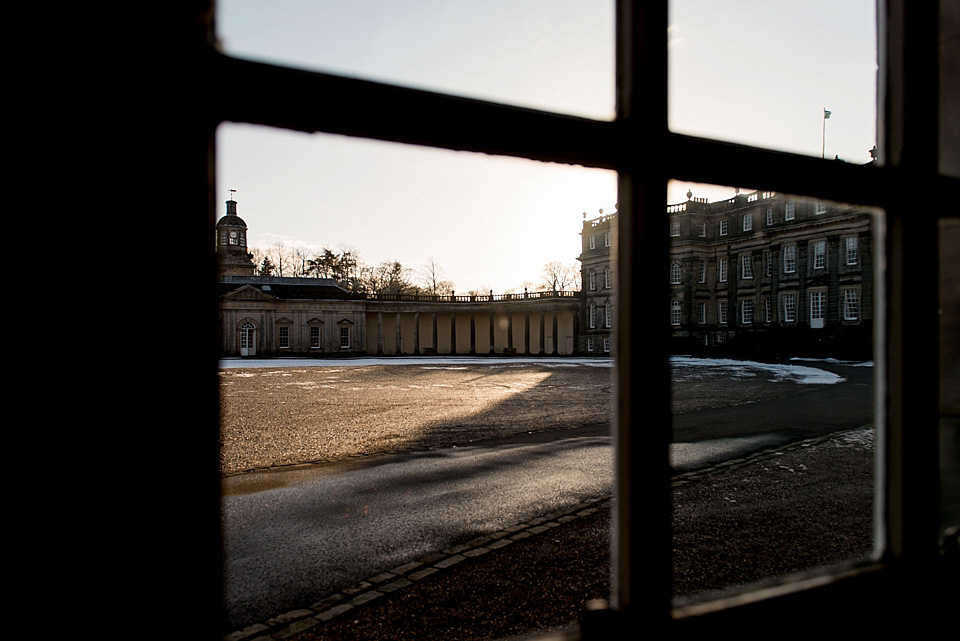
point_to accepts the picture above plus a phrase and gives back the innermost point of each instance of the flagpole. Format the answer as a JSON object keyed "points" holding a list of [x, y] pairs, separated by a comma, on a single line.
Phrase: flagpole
{"points": [[823, 134]]}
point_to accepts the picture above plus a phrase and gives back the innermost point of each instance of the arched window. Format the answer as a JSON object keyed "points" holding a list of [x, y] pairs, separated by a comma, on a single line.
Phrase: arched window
{"points": [[675, 272]]}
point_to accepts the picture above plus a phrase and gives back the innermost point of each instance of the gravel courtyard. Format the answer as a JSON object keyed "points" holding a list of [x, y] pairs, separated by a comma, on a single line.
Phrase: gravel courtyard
{"points": [[732, 526], [289, 415]]}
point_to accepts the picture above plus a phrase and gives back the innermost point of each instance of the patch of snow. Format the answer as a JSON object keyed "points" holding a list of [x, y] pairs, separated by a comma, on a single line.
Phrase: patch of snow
{"points": [[800, 374]]}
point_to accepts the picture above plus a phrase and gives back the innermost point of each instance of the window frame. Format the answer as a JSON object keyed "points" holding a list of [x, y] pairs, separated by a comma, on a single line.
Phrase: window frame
{"points": [[747, 311], [746, 266], [819, 254], [676, 272], [789, 262], [908, 118], [854, 251]]}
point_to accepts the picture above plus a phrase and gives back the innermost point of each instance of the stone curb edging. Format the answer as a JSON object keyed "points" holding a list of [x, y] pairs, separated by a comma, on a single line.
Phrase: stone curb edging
{"points": [[290, 623]]}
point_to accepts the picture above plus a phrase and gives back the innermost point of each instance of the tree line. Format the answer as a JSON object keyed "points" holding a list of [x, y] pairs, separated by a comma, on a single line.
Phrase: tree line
{"points": [[347, 269]]}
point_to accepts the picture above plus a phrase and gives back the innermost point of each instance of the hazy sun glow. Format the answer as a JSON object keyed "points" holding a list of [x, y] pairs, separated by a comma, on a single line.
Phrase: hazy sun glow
{"points": [[745, 70]]}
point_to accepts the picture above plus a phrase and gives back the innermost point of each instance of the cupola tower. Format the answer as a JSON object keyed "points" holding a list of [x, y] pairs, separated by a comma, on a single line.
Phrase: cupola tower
{"points": [[233, 259]]}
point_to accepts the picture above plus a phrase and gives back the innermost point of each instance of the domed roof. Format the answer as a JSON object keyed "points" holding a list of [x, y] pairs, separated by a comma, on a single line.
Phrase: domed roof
{"points": [[231, 218]]}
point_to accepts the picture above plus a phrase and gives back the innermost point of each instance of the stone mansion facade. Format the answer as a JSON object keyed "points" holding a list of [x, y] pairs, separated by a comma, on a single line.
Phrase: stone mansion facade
{"points": [[759, 274], [762, 274], [271, 316]]}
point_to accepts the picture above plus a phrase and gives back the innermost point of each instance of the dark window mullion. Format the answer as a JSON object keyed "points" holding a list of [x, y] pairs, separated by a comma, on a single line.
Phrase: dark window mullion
{"points": [[318, 102]]}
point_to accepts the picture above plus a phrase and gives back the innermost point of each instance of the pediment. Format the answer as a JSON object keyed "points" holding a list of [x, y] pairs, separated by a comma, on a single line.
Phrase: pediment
{"points": [[248, 292]]}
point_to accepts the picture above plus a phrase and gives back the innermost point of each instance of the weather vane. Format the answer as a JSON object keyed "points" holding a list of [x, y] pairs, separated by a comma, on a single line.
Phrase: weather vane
{"points": [[232, 192]]}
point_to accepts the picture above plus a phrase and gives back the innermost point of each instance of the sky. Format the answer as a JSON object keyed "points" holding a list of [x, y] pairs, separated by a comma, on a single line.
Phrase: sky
{"points": [[749, 71]]}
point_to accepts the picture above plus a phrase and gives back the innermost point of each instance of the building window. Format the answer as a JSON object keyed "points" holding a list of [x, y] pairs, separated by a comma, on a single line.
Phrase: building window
{"points": [[851, 304], [702, 272], [820, 254], [850, 243], [592, 279], [790, 210], [702, 229], [767, 262], [790, 259], [746, 266], [766, 309], [674, 229], [284, 337], [818, 304], [593, 316], [314, 337], [676, 312], [606, 239], [702, 313], [344, 338], [723, 227], [675, 272], [607, 278], [608, 316], [722, 270], [746, 312], [590, 344], [747, 222], [722, 312], [593, 241], [789, 314], [606, 344], [721, 337], [769, 217], [821, 208]]}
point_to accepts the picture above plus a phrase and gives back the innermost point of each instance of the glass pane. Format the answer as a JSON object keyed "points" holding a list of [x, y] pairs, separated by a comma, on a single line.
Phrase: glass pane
{"points": [[411, 410], [532, 53], [773, 328], [797, 76]]}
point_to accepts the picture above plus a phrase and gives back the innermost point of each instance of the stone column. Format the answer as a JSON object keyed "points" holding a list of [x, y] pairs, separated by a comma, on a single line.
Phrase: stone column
{"points": [[526, 333], [379, 333], [473, 334], [453, 333], [543, 335], [416, 333], [556, 341], [493, 348], [397, 338]]}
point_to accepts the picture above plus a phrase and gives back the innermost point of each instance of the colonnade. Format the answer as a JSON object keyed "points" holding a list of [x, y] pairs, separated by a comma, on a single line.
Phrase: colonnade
{"points": [[397, 329]]}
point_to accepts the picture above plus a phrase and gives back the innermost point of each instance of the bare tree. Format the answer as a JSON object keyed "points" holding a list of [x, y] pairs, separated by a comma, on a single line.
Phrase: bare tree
{"points": [[299, 261], [389, 278], [256, 255], [280, 258], [431, 276], [559, 276]]}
